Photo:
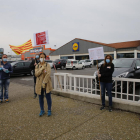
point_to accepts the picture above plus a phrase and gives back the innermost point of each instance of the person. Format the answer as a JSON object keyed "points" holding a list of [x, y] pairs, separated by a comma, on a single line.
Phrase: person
{"points": [[5, 70], [105, 74], [43, 83], [32, 67]]}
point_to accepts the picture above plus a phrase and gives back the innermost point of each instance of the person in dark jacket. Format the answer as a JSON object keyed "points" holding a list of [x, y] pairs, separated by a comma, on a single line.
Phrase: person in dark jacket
{"points": [[105, 74], [5, 70], [32, 67]]}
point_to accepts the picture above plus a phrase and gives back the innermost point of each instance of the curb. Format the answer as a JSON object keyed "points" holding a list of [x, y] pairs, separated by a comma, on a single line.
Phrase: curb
{"points": [[95, 99]]}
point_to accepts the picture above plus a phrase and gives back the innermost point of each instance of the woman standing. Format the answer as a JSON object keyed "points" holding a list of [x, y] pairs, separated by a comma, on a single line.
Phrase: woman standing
{"points": [[105, 74], [43, 83]]}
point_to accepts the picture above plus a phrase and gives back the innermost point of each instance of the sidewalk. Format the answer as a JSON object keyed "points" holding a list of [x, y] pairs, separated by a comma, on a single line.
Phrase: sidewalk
{"points": [[70, 120]]}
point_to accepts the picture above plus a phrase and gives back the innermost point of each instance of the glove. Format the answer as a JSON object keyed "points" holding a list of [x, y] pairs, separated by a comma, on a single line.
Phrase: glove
{"points": [[6, 71], [1, 68]]}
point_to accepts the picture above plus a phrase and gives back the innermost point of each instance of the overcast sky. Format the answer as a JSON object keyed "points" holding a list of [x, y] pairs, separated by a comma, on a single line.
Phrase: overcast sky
{"points": [[106, 21]]}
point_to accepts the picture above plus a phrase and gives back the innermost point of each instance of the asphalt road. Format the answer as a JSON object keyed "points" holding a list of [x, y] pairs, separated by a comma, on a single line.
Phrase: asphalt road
{"points": [[28, 80]]}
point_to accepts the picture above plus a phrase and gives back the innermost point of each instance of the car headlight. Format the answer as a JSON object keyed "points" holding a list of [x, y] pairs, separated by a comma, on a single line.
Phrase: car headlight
{"points": [[95, 73], [123, 75]]}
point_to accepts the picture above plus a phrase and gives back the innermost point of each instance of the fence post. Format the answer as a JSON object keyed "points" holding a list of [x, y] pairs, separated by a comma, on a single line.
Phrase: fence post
{"points": [[74, 83], [65, 80], [55, 81]]}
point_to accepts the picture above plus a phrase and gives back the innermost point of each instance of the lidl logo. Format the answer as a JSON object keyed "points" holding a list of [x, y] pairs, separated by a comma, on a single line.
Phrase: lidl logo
{"points": [[75, 46]]}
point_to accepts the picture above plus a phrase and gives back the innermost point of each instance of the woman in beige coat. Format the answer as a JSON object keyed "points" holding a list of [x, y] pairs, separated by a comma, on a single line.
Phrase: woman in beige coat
{"points": [[43, 83]]}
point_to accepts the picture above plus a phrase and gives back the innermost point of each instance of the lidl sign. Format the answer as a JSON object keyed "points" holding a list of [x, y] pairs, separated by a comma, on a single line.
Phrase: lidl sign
{"points": [[75, 46]]}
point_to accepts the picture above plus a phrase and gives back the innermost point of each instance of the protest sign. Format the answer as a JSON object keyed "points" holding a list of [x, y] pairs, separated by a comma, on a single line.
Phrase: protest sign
{"points": [[41, 38], [96, 53]]}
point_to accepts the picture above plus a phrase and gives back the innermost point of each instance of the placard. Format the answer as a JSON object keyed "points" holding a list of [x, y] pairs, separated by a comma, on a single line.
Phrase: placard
{"points": [[41, 38], [96, 53]]}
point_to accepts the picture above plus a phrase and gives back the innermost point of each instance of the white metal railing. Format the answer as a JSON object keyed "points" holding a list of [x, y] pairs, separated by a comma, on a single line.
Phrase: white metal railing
{"points": [[123, 88]]}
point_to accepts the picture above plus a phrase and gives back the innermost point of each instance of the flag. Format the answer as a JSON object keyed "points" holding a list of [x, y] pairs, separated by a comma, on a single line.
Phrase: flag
{"points": [[22, 48]]}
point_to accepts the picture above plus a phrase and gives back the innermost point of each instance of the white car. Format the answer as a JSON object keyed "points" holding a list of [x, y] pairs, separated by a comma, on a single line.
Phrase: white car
{"points": [[74, 64], [50, 62], [87, 63]]}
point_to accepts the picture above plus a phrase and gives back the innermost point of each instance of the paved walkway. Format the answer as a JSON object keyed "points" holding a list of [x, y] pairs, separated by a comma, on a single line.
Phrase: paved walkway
{"points": [[70, 120]]}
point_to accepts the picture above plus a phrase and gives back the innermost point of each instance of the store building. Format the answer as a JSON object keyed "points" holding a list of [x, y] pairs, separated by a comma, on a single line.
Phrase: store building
{"points": [[29, 55], [78, 49]]}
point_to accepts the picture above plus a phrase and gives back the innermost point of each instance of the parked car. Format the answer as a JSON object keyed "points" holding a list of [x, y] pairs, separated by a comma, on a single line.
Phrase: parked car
{"points": [[74, 64], [10, 61], [50, 62], [60, 63], [125, 68], [21, 67], [87, 63], [99, 64]]}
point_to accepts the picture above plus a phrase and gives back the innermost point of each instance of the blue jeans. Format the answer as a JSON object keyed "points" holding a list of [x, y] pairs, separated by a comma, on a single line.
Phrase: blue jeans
{"points": [[108, 87], [34, 86], [41, 100], [4, 84]]}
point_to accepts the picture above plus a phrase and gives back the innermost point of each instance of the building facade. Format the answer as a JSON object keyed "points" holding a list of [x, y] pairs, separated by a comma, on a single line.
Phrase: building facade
{"points": [[29, 55], [78, 49]]}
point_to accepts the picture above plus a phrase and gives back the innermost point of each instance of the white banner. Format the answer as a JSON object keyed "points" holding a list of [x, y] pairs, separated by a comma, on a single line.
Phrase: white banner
{"points": [[41, 38], [96, 53]]}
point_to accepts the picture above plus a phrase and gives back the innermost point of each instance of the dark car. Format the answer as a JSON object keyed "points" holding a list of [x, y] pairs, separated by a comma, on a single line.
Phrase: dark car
{"points": [[125, 68], [60, 63], [21, 67], [10, 61]]}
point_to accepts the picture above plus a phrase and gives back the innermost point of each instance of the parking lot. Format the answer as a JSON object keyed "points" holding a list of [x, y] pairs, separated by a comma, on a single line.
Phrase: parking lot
{"points": [[28, 80]]}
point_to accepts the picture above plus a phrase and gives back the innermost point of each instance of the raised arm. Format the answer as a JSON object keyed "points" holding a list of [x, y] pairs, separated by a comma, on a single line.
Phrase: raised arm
{"points": [[46, 79], [38, 70]]}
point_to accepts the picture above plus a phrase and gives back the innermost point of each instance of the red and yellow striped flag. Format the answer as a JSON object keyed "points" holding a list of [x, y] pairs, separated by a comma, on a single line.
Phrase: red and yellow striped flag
{"points": [[22, 48]]}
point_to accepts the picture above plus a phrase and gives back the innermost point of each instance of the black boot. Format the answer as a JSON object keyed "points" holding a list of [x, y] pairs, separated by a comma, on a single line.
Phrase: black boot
{"points": [[103, 107], [110, 109]]}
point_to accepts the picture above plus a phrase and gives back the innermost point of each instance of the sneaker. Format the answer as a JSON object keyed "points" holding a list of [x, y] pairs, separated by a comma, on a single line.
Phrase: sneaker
{"points": [[1, 102], [110, 109], [49, 113], [6, 101], [102, 108], [42, 112]]}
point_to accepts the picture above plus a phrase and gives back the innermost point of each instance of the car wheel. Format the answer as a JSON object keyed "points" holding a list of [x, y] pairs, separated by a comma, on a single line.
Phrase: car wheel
{"points": [[32, 73], [130, 88], [73, 68], [66, 68], [83, 67], [91, 66], [62, 67]]}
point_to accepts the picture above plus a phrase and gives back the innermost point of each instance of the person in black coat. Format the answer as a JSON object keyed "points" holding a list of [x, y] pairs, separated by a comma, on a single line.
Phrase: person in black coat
{"points": [[32, 67], [105, 74]]}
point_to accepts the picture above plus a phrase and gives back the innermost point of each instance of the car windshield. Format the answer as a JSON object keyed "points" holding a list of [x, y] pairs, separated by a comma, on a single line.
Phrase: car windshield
{"points": [[13, 63], [122, 63], [57, 60]]}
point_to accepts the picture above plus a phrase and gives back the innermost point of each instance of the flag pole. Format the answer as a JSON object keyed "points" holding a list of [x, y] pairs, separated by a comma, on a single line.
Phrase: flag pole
{"points": [[99, 79]]}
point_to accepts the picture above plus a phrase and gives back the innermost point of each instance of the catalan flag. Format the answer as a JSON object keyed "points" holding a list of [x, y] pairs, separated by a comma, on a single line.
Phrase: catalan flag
{"points": [[22, 48]]}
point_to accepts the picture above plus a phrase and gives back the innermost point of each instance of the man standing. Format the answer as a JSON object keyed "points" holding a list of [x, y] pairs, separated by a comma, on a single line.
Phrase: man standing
{"points": [[32, 67], [5, 70]]}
